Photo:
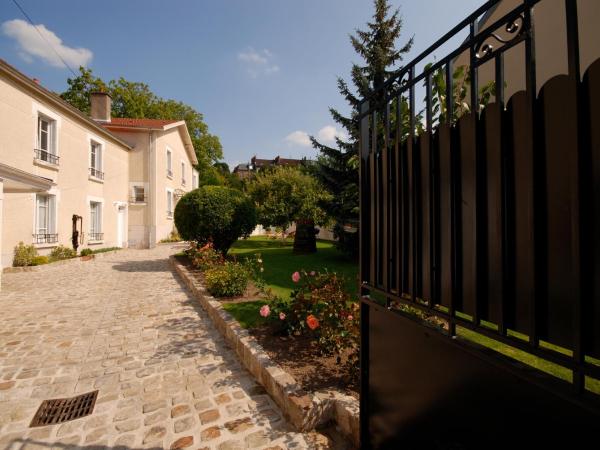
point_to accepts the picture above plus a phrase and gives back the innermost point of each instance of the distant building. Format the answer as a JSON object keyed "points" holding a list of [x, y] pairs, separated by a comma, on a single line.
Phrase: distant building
{"points": [[244, 171]]}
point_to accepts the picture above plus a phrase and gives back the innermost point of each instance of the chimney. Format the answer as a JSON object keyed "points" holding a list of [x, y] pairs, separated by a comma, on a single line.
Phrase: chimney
{"points": [[36, 81], [100, 104]]}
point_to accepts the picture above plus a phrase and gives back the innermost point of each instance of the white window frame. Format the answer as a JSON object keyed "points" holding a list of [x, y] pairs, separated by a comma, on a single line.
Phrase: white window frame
{"points": [[96, 160], [169, 163], [194, 179], [183, 180], [98, 226], [170, 203], [50, 222]]}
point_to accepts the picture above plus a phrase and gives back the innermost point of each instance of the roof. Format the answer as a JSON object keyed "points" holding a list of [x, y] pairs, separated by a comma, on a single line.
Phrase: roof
{"points": [[138, 125], [57, 101], [241, 167], [129, 122]]}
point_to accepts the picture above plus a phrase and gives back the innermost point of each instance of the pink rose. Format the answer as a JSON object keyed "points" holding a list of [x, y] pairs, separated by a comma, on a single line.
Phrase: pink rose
{"points": [[296, 277], [313, 273], [350, 317], [281, 316], [265, 310]]}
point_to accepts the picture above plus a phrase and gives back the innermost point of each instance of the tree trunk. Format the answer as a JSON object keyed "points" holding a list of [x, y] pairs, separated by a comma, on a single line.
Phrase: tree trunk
{"points": [[305, 239]]}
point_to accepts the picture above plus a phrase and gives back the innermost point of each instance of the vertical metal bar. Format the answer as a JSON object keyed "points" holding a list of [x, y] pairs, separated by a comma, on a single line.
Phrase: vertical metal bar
{"points": [[473, 70], [580, 255], [399, 248], [385, 201], [365, 249], [538, 178], [431, 196], [365, 206], [373, 192], [506, 198], [410, 171], [449, 92]]}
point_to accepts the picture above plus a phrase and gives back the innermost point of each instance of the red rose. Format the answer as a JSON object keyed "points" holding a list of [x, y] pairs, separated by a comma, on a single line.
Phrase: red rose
{"points": [[312, 322]]}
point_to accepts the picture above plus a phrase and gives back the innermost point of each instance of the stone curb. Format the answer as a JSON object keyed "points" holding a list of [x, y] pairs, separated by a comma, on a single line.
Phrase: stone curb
{"points": [[305, 411], [76, 260]]}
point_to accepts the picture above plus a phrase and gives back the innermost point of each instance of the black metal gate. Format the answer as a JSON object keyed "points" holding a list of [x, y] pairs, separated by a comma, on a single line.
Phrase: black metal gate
{"points": [[480, 238]]}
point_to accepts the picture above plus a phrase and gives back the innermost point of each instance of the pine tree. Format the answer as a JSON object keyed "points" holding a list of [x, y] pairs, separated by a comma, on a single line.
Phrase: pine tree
{"points": [[337, 168]]}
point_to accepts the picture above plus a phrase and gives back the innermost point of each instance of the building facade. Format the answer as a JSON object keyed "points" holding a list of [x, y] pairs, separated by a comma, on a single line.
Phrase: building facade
{"points": [[62, 171]]}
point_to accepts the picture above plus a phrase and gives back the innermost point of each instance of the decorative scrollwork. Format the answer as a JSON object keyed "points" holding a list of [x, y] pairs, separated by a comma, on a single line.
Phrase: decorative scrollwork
{"points": [[514, 29]]}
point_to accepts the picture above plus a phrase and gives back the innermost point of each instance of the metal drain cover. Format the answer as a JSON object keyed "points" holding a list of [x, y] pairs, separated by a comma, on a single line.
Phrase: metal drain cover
{"points": [[62, 410]]}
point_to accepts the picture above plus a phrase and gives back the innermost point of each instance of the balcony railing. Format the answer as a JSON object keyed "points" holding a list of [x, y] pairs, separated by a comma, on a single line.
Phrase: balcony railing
{"points": [[169, 173], [96, 236], [45, 238], [138, 199], [169, 213], [46, 156], [96, 173], [183, 181]]}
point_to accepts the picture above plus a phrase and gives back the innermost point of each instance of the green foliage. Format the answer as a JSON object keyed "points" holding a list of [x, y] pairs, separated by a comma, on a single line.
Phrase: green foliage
{"points": [[106, 249], [320, 307], [86, 252], [337, 166], [135, 99], [219, 175], [39, 260], [286, 194], [61, 252], [24, 255], [215, 214], [205, 257], [173, 237], [229, 279]]}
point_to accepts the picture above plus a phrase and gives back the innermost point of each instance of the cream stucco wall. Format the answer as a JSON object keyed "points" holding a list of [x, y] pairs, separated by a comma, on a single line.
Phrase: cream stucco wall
{"points": [[172, 140], [19, 107]]}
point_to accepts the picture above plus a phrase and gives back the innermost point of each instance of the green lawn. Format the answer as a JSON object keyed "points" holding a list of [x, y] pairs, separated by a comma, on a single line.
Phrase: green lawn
{"points": [[280, 262]]}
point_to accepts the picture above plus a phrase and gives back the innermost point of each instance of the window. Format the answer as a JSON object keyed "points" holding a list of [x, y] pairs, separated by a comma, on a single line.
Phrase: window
{"points": [[96, 221], [96, 160], [194, 180], [183, 173], [169, 164], [139, 195], [46, 149], [45, 220], [169, 204]]}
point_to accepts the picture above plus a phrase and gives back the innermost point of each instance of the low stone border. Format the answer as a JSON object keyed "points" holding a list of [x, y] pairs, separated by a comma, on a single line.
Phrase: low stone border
{"points": [[305, 411], [76, 260]]}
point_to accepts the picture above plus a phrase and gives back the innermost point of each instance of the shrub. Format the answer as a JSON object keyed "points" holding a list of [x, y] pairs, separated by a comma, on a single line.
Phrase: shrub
{"points": [[173, 237], [321, 308], [229, 279], [23, 255], [86, 252], [106, 249], [205, 257], [215, 214], [39, 260], [61, 252]]}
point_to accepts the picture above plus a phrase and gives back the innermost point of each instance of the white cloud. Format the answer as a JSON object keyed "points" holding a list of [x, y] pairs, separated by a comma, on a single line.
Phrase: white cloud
{"points": [[329, 133], [298, 138], [258, 62], [32, 45]]}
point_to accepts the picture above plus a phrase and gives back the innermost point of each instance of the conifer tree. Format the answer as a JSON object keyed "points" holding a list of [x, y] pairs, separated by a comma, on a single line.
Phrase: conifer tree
{"points": [[337, 167]]}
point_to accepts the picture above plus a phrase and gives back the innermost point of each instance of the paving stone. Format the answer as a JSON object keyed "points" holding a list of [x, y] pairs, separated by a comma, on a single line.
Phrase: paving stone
{"points": [[231, 445], [66, 334], [183, 424], [210, 433], [239, 425], [154, 434], [209, 416], [257, 439], [184, 442], [180, 410]]}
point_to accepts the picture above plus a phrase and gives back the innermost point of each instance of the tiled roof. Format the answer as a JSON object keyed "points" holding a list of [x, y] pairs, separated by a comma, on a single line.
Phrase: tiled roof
{"points": [[137, 123]]}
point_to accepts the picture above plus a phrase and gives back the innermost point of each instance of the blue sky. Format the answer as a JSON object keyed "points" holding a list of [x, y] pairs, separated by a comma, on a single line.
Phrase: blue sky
{"points": [[263, 72]]}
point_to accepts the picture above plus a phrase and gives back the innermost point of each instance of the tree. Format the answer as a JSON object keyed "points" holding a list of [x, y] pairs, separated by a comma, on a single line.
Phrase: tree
{"points": [[337, 167], [135, 99], [215, 214], [284, 195]]}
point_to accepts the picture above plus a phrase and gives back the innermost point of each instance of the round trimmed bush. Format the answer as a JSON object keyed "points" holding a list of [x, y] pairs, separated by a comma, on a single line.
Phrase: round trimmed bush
{"points": [[215, 214]]}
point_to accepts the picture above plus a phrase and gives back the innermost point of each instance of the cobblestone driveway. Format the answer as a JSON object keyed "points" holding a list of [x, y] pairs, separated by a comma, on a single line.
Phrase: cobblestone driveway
{"points": [[125, 325]]}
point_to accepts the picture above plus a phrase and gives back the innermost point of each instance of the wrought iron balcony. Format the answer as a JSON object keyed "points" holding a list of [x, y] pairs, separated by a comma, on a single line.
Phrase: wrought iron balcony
{"points": [[169, 213], [96, 173], [96, 236], [45, 238], [46, 156], [169, 173]]}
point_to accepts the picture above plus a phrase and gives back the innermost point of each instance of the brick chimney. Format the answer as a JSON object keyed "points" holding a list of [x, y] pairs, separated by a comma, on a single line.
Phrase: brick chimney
{"points": [[100, 104]]}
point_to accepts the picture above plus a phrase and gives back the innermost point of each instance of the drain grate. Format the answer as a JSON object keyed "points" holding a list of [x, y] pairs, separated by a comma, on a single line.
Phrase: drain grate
{"points": [[62, 410]]}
